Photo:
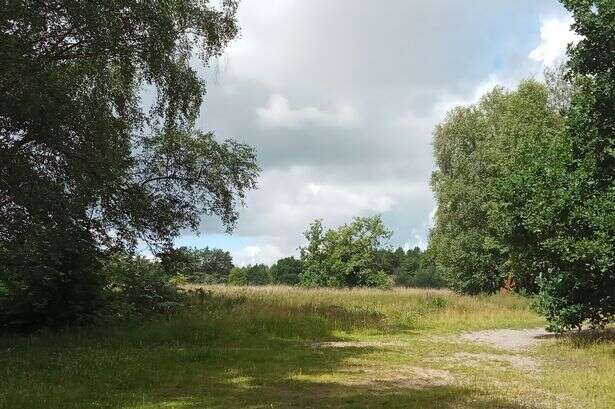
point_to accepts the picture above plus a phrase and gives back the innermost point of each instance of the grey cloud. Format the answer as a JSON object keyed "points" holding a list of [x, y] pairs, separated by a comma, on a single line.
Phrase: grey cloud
{"points": [[397, 64]]}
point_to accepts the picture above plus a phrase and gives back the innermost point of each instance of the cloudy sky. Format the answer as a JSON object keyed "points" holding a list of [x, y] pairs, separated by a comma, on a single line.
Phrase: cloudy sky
{"points": [[339, 99]]}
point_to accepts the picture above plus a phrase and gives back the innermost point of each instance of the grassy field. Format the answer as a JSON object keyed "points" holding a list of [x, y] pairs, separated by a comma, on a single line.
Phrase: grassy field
{"points": [[280, 347]]}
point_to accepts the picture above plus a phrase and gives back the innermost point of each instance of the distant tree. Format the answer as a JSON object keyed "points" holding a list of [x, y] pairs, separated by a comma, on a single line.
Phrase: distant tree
{"points": [[390, 261], [85, 166], [408, 268], [346, 256], [207, 265], [258, 274], [238, 276], [287, 271]]}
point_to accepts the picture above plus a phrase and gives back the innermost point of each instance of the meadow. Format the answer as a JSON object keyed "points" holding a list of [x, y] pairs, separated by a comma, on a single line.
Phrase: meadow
{"points": [[285, 347]]}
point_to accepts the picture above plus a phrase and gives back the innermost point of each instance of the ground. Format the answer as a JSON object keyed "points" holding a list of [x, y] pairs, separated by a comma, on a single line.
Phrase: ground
{"points": [[280, 347]]}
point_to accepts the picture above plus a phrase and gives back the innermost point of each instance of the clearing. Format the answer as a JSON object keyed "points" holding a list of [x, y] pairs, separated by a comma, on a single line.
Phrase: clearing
{"points": [[281, 347]]}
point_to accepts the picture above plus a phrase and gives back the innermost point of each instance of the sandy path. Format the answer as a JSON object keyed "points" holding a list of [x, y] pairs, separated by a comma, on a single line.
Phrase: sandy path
{"points": [[515, 339]]}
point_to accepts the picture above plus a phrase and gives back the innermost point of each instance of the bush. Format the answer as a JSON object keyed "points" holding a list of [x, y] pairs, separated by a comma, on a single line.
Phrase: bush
{"points": [[138, 286], [50, 280]]}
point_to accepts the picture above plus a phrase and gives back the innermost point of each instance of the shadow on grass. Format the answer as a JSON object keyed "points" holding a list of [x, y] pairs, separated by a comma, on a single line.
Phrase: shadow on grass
{"points": [[312, 395], [585, 338], [221, 354]]}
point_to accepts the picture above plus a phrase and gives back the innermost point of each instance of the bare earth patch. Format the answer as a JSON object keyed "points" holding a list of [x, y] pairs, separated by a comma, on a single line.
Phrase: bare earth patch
{"points": [[515, 339], [412, 377], [358, 344]]}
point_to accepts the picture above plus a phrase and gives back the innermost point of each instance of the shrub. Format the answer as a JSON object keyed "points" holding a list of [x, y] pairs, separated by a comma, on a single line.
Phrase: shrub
{"points": [[138, 286], [50, 280]]}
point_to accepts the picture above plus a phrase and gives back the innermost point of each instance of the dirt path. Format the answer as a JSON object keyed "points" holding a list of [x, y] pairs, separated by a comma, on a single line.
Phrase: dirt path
{"points": [[513, 339]]}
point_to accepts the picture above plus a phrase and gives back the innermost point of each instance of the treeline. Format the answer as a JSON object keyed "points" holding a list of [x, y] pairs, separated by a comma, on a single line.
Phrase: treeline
{"points": [[524, 184], [391, 267]]}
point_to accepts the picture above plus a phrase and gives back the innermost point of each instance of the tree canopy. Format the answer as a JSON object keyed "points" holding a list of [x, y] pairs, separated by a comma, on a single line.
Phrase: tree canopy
{"points": [[87, 163], [346, 256], [524, 183]]}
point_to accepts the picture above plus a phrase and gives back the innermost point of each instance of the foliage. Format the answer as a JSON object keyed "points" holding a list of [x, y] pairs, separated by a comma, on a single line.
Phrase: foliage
{"points": [[206, 266], [578, 252], [286, 271], [499, 163], [525, 185], [346, 256], [238, 276], [426, 277], [410, 268], [257, 274], [85, 161], [138, 286], [51, 279]]}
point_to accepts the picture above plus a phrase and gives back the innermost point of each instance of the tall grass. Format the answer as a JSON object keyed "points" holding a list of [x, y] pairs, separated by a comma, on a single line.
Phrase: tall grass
{"points": [[400, 308]]}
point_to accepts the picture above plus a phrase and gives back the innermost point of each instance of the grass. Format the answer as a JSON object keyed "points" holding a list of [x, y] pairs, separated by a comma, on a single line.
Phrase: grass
{"points": [[280, 347]]}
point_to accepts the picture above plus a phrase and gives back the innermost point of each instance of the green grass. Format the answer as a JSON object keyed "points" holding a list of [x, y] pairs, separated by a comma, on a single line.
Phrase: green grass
{"points": [[280, 347]]}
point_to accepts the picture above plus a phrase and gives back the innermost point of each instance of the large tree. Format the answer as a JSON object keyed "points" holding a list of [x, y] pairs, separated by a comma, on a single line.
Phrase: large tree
{"points": [[525, 183], [493, 159], [578, 280], [87, 161]]}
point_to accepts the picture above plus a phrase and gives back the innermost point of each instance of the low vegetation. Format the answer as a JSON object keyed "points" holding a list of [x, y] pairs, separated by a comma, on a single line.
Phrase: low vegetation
{"points": [[283, 347]]}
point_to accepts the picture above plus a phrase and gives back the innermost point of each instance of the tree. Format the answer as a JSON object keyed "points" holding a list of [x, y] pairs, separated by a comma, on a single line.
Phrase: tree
{"points": [[198, 265], [346, 256], [83, 161], [525, 184], [460, 241], [238, 276], [578, 276], [494, 160], [258, 274], [286, 271]]}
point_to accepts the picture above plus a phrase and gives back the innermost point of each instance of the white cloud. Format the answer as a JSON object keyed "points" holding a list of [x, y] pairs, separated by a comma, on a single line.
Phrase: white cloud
{"points": [[555, 35], [447, 102], [418, 240], [278, 112], [258, 254]]}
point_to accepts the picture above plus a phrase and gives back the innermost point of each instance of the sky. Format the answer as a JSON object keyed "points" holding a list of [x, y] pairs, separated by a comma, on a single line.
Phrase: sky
{"points": [[339, 99]]}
